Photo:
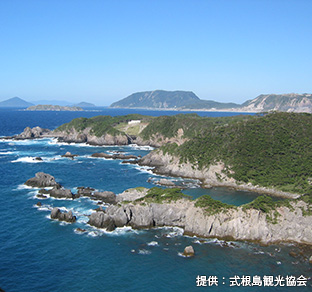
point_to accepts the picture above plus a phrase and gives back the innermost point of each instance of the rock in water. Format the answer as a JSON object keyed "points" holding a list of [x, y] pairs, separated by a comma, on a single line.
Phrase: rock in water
{"points": [[58, 192], [165, 182], [84, 192], [42, 180], [69, 155], [66, 216], [35, 132], [310, 260], [106, 197], [189, 251]]}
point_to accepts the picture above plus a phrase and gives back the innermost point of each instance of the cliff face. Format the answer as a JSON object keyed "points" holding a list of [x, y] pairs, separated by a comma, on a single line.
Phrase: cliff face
{"points": [[235, 223], [85, 136], [279, 102], [212, 176]]}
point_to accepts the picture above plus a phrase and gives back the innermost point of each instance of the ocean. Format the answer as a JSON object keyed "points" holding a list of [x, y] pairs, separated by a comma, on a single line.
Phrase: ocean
{"points": [[40, 254]]}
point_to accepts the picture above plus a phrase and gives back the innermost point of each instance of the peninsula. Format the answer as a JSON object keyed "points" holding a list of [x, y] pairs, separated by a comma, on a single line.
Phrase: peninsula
{"points": [[269, 153], [262, 220]]}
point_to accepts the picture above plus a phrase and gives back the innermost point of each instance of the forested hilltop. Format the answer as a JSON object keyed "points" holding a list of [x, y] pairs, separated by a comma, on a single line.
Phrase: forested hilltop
{"points": [[271, 150], [266, 150]]}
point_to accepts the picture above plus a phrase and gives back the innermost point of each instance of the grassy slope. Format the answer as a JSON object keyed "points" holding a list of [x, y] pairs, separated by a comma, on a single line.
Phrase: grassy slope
{"points": [[101, 125]]}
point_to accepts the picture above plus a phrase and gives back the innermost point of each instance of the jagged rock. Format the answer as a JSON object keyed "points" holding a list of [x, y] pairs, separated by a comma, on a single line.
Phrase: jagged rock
{"points": [[38, 159], [235, 223], [84, 192], [56, 213], [58, 192], [135, 161], [69, 155], [189, 251], [113, 156], [132, 194], [35, 132], [39, 204], [119, 216], [165, 182], [99, 209], [40, 196], [101, 155], [42, 180], [61, 193], [101, 220], [80, 230], [122, 156], [106, 197], [74, 136]]}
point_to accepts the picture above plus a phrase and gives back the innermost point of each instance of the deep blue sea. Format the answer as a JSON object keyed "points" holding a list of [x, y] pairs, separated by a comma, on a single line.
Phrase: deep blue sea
{"points": [[39, 254]]}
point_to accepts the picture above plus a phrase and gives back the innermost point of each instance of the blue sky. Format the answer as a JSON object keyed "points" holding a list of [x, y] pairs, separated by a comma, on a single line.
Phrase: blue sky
{"points": [[102, 51]]}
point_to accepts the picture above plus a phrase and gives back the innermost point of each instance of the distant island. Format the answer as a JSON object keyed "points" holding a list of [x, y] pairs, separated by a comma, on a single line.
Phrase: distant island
{"points": [[85, 104], [49, 107], [186, 100], [15, 102]]}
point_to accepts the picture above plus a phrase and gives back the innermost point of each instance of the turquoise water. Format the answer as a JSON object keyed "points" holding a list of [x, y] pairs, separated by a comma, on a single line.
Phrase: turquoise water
{"points": [[39, 254]]}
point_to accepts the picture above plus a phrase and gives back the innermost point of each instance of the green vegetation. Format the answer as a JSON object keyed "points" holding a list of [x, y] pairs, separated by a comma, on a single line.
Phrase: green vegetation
{"points": [[269, 150], [212, 206], [139, 189], [101, 125], [266, 205], [191, 124], [158, 195], [157, 99], [274, 150]]}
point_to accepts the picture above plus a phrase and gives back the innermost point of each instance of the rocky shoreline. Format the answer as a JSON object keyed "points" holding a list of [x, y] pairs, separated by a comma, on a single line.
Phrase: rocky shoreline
{"points": [[203, 217], [164, 164], [232, 224]]}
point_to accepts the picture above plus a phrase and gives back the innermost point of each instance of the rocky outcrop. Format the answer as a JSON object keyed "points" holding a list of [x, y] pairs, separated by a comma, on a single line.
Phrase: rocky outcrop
{"points": [[213, 176], [57, 214], [69, 155], [58, 192], [113, 156], [158, 140], [85, 136], [290, 225], [33, 133], [165, 182], [189, 251], [132, 194], [84, 192], [105, 197], [42, 180], [170, 165]]}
